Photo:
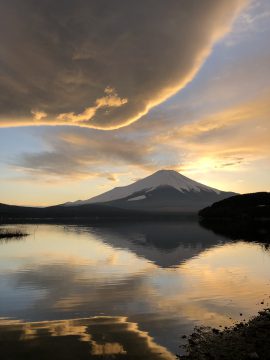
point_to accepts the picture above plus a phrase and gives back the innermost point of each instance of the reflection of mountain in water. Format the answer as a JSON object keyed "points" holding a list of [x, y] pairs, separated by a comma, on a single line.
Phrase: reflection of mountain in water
{"points": [[95, 338], [167, 244]]}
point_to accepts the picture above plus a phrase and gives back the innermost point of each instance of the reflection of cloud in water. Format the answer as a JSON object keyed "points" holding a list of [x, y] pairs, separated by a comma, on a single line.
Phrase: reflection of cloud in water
{"points": [[70, 289], [113, 337]]}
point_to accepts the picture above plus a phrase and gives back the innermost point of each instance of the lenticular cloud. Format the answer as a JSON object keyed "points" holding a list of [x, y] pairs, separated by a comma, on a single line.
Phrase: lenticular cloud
{"points": [[101, 64]]}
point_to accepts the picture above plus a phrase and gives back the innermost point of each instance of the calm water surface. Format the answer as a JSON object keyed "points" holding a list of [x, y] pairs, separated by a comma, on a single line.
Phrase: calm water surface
{"points": [[126, 291]]}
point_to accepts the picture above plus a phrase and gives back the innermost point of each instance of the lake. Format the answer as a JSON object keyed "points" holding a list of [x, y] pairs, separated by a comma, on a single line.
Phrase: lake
{"points": [[123, 291]]}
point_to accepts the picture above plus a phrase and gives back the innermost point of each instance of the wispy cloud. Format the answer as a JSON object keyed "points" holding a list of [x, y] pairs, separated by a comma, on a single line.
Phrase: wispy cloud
{"points": [[75, 154]]}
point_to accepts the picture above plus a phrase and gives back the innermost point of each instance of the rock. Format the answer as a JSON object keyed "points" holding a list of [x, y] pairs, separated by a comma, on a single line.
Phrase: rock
{"points": [[253, 355]]}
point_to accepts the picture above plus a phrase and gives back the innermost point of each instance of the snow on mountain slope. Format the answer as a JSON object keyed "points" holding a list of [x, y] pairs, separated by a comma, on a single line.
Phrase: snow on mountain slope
{"points": [[160, 178]]}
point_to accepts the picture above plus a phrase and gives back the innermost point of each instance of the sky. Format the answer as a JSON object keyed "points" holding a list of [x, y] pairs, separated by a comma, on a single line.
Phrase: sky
{"points": [[97, 94]]}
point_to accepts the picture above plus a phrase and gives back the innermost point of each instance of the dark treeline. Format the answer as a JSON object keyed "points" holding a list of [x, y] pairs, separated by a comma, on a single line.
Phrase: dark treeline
{"points": [[248, 206]]}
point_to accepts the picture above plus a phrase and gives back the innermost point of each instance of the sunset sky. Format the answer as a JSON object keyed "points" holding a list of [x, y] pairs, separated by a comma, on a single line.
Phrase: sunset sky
{"points": [[96, 94]]}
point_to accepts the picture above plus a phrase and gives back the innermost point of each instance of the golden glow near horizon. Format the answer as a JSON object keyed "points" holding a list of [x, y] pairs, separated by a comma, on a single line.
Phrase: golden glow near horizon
{"points": [[202, 110]]}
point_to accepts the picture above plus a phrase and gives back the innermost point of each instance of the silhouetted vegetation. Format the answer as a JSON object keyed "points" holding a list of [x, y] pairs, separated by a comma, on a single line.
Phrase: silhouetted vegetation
{"points": [[241, 342], [11, 233], [253, 207]]}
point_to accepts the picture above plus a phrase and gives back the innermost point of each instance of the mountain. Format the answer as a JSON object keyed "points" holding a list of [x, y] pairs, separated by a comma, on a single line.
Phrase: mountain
{"points": [[163, 191], [164, 194]]}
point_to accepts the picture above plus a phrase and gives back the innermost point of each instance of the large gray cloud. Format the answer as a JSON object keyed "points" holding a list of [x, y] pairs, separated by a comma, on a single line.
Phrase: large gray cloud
{"points": [[101, 63]]}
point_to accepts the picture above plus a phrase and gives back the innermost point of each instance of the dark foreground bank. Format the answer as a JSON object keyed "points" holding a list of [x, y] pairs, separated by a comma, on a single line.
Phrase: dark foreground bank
{"points": [[241, 342]]}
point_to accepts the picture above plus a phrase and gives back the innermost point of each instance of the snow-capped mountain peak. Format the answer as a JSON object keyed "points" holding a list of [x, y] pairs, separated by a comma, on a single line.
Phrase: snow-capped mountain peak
{"points": [[160, 178]]}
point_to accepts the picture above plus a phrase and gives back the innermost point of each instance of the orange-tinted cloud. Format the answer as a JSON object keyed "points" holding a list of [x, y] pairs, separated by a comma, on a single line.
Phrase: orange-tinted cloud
{"points": [[228, 140]]}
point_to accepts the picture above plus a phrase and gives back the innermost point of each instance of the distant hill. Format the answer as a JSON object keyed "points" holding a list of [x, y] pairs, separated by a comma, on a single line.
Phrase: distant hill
{"points": [[90, 213], [93, 211], [245, 207]]}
